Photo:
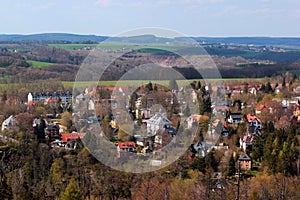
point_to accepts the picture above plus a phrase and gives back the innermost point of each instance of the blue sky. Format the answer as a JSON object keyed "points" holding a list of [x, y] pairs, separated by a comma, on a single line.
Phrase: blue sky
{"points": [[190, 17]]}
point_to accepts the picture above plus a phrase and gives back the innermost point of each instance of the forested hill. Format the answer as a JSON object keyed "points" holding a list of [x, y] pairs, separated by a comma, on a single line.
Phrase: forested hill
{"points": [[52, 37], [284, 41], [75, 38]]}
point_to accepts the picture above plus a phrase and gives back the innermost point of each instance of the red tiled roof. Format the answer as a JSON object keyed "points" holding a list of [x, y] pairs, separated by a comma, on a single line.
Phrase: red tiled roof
{"points": [[251, 118], [224, 123], [50, 100], [71, 136], [125, 145], [31, 103]]}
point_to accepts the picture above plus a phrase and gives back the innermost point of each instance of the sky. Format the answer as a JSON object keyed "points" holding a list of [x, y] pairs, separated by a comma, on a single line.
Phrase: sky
{"points": [[214, 18]]}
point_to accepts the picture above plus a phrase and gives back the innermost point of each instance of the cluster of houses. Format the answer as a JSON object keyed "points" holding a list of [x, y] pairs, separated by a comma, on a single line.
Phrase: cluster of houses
{"points": [[158, 128], [157, 124], [51, 131], [49, 97]]}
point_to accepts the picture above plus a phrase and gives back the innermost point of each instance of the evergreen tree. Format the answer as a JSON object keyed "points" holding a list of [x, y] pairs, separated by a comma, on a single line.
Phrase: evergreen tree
{"points": [[193, 85], [269, 88], [149, 86], [245, 89], [231, 166], [72, 192], [283, 83], [198, 85]]}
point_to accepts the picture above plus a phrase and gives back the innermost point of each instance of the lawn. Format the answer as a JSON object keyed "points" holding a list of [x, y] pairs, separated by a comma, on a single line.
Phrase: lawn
{"points": [[38, 64], [130, 83]]}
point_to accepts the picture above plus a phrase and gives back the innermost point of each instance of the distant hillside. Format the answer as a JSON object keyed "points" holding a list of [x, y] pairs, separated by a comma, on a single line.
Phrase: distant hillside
{"points": [[53, 37], [252, 40], [151, 39]]}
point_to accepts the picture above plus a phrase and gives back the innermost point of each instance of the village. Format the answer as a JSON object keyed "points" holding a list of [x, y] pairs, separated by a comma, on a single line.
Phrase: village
{"points": [[155, 127], [227, 128]]}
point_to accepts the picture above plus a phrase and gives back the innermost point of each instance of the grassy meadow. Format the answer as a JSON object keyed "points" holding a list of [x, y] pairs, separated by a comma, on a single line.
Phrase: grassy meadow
{"points": [[38, 64]]}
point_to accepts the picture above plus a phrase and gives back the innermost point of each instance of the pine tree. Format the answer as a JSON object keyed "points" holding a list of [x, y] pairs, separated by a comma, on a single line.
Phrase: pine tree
{"points": [[198, 85], [231, 166], [149, 86], [283, 83], [72, 192], [269, 88]]}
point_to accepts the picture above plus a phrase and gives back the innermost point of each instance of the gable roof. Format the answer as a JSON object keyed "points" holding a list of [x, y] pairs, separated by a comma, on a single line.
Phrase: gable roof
{"points": [[251, 118], [71, 136], [236, 115], [244, 157], [126, 145]]}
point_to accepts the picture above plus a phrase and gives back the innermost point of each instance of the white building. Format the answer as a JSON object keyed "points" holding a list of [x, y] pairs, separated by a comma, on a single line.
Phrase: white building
{"points": [[159, 122], [10, 121]]}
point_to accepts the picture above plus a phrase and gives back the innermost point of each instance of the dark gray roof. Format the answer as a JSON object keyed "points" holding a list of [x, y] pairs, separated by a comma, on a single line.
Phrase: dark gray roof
{"points": [[244, 157]]}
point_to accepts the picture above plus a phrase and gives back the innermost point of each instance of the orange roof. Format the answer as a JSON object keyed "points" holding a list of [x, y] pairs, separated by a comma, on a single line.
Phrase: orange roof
{"points": [[251, 118], [31, 103], [125, 145], [71, 136], [50, 100], [224, 123]]}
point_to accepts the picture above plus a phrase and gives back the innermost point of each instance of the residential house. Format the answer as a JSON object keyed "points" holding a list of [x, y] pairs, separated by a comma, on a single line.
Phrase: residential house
{"points": [[246, 142], [91, 105], [255, 124], [253, 90], [52, 131], [125, 149], [245, 162], [47, 97], [9, 122], [145, 113], [235, 118], [66, 137], [158, 123], [222, 128]]}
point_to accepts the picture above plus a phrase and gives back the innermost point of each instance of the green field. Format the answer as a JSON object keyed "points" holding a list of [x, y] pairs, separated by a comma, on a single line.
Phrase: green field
{"points": [[38, 64], [131, 83], [71, 46], [118, 46]]}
